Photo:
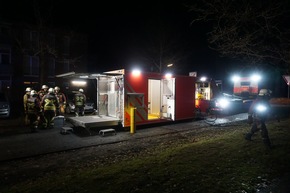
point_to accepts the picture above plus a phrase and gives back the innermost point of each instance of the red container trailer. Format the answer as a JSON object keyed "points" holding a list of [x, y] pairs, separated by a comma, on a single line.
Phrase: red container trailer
{"points": [[155, 97]]}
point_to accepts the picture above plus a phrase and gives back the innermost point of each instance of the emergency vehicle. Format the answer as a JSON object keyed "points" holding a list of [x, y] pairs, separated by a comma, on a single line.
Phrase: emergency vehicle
{"points": [[246, 87], [154, 97], [206, 90]]}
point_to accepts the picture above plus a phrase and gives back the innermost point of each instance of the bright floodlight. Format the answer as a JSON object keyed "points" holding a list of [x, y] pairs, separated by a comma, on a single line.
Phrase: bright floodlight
{"points": [[236, 78], [203, 79], [136, 72], [168, 75], [261, 108], [256, 77]]}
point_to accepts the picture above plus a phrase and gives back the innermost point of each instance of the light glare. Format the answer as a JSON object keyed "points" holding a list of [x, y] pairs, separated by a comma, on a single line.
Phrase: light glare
{"points": [[168, 75], [203, 79], [79, 82], [236, 78], [136, 72], [256, 77]]}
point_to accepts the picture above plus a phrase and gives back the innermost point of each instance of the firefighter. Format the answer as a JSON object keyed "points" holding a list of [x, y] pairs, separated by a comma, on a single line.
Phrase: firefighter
{"points": [[25, 98], [50, 105], [200, 94], [258, 113], [61, 100], [79, 102], [33, 108], [43, 91]]}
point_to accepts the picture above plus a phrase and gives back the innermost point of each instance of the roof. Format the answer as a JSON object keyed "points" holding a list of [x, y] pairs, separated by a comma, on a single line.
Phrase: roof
{"points": [[89, 75]]}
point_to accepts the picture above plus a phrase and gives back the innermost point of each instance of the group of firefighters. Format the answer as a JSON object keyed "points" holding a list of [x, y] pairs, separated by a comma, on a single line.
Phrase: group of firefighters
{"points": [[43, 106]]}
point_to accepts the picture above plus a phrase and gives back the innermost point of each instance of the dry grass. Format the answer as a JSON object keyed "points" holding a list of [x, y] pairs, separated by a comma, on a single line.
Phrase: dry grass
{"points": [[216, 159]]}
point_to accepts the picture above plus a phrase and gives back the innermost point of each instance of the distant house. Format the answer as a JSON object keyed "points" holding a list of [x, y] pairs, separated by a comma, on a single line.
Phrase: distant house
{"points": [[32, 55]]}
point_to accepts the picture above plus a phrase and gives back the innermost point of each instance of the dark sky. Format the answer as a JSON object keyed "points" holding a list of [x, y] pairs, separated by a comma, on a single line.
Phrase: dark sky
{"points": [[119, 31]]}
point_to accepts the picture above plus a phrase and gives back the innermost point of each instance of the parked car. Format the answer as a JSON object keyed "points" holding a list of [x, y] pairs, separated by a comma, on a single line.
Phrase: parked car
{"points": [[228, 104], [4, 106], [70, 107]]}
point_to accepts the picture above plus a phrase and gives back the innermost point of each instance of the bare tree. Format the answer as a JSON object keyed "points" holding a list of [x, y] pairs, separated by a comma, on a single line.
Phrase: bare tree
{"points": [[257, 31], [162, 50], [163, 42], [44, 45]]}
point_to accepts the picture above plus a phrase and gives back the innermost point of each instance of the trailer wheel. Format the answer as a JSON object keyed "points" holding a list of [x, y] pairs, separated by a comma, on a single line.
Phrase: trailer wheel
{"points": [[211, 117]]}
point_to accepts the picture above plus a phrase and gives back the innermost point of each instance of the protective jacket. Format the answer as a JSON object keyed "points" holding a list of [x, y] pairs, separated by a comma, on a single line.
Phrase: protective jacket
{"points": [[42, 93], [260, 109], [49, 102], [33, 105], [25, 98], [61, 98], [79, 100]]}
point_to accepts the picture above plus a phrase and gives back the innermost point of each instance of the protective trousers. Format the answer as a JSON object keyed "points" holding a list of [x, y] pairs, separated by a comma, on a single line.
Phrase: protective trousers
{"points": [[264, 133], [48, 118]]}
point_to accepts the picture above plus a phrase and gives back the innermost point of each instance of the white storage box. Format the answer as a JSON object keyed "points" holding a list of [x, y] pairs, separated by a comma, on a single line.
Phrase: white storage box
{"points": [[59, 122]]}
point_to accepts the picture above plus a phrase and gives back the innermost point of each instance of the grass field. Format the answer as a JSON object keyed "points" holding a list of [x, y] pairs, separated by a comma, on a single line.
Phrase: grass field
{"points": [[217, 160]]}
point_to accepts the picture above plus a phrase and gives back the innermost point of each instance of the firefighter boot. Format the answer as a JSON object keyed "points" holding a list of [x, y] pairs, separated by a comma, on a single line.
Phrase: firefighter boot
{"points": [[251, 133]]}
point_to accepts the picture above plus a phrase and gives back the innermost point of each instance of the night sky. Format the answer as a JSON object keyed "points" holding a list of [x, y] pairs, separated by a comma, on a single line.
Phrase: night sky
{"points": [[119, 32]]}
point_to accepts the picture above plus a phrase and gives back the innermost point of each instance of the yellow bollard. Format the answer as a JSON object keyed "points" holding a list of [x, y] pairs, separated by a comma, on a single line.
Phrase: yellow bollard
{"points": [[132, 120]]}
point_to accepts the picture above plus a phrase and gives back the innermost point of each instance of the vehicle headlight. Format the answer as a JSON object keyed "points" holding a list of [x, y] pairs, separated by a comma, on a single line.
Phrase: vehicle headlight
{"points": [[222, 102]]}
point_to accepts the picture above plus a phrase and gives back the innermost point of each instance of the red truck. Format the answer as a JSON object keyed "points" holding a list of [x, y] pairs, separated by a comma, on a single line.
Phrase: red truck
{"points": [[246, 87]]}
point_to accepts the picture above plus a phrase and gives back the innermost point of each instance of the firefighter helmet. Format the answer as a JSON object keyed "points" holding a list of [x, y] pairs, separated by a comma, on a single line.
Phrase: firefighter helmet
{"points": [[56, 88], [81, 90], [50, 90], [44, 86], [33, 92], [28, 89]]}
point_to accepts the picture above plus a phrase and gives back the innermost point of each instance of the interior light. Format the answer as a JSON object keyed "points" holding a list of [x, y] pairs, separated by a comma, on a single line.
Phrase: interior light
{"points": [[79, 82]]}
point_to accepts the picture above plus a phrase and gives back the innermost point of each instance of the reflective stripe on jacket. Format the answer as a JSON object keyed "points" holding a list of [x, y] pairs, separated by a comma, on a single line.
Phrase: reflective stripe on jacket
{"points": [[49, 102], [32, 105], [79, 99]]}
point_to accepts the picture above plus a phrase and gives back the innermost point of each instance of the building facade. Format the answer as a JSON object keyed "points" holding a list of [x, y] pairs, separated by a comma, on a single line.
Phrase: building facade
{"points": [[31, 56]]}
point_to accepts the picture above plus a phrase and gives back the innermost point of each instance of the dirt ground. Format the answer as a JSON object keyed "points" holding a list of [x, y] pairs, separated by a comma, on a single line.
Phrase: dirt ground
{"points": [[32, 168]]}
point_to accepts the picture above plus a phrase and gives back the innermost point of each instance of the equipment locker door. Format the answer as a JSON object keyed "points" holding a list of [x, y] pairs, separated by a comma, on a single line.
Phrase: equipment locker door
{"points": [[168, 98], [154, 98]]}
